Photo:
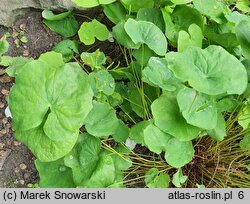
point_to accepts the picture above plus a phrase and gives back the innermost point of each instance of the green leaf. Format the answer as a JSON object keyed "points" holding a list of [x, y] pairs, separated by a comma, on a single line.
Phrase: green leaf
{"points": [[91, 30], [154, 179], [243, 5], [122, 37], [197, 109], [67, 48], [221, 35], [102, 82], [136, 101], [219, 132], [115, 12], [153, 15], [102, 120], [54, 174], [49, 15], [134, 5], [155, 139], [243, 35], [244, 117], [168, 118], [147, 33], [213, 9], [121, 133], [179, 153], [83, 158], [58, 108], [157, 74], [14, 64], [179, 179], [66, 27], [194, 37], [181, 1], [91, 3], [245, 142], [180, 19], [24, 39], [4, 46], [136, 132], [226, 74], [95, 59], [104, 174], [143, 54]]}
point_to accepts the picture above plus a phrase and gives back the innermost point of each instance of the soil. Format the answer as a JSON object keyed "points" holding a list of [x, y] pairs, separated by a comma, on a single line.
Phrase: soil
{"points": [[16, 161]]}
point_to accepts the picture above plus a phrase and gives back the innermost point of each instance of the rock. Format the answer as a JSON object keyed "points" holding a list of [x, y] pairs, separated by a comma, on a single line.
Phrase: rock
{"points": [[7, 112], [11, 9], [22, 182], [3, 156], [22, 166]]}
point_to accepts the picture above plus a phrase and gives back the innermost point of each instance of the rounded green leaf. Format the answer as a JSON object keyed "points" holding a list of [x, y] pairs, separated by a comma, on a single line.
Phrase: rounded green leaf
{"points": [[157, 74], [179, 179], [102, 82], [197, 109], [243, 35], [102, 120], [155, 139], [50, 110], [245, 142], [136, 132], [213, 9], [168, 118], [4, 46], [180, 19], [135, 5], [208, 73], [67, 48], [153, 15], [154, 179], [66, 27], [181, 1], [122, 37], [49, 15], [54, 174], [244, 117], [121, 133], [219, 132], [95, 59], [179, 153], [194, 37], [115, 12], [91, 30], [91, 3], [147, 33]]}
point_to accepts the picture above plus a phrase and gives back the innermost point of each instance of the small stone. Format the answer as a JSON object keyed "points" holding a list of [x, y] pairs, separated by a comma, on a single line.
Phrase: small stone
{"points": [[26, 53], [22, 182], [16, 143], [7, 112], [2, 145], [22, 166], [3, 132], [22, 27], [5, 78], [1, 105], [5, 121], [2, 72], [26, 175], [16, 170], [5, 92]]}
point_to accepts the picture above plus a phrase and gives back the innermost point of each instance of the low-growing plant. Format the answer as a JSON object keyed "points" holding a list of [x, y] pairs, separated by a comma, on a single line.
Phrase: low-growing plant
{"points": [[182, 81]]}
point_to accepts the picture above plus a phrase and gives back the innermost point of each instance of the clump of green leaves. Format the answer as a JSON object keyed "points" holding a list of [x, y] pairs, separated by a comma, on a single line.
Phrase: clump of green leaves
{"points": [[185, 68]]}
